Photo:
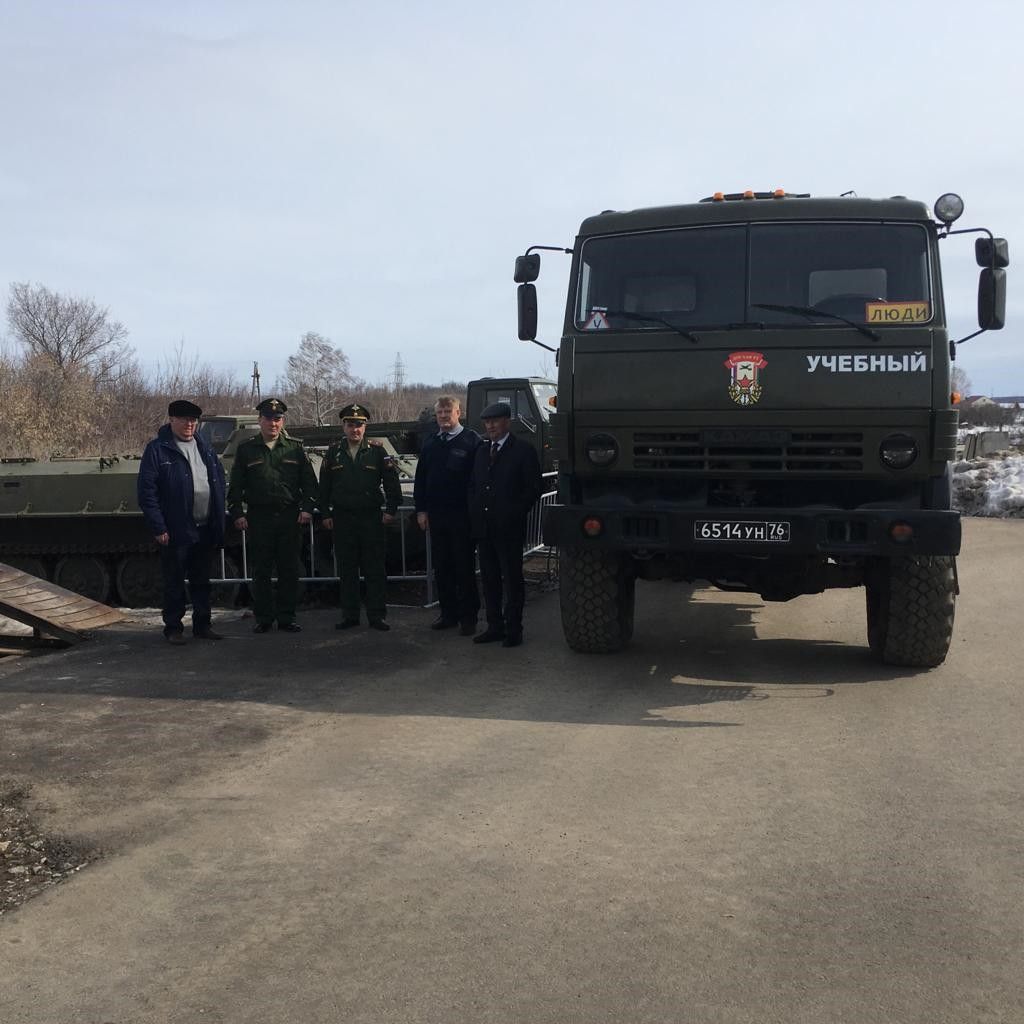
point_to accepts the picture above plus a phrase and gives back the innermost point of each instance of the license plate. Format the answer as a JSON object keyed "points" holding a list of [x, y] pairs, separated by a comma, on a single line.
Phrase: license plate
{"points": [[748, 532]]}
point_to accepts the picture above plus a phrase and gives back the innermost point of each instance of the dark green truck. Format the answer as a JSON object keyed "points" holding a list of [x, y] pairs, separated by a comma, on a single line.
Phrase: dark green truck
{"points": [[754, 390]]}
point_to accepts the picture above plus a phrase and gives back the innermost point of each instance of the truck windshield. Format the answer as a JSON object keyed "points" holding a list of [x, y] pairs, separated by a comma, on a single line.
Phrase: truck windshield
{"points": [[876, 274], [543, 392]]}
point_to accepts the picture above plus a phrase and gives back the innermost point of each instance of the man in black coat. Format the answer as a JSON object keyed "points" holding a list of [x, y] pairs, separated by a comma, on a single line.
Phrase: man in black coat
{"points": [[505, 486], [442, 483], [181, 494]]}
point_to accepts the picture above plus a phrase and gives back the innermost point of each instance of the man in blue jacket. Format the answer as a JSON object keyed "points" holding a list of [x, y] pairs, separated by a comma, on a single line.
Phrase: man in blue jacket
{"points": [[181, 494], [440, 491]]}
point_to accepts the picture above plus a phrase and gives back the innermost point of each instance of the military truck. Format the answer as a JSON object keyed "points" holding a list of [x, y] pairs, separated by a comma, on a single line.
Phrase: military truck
{"points": [[754, 391]]}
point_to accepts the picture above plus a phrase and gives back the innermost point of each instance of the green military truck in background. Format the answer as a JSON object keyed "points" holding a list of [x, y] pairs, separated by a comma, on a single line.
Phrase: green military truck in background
{"points": [[754, 391]]}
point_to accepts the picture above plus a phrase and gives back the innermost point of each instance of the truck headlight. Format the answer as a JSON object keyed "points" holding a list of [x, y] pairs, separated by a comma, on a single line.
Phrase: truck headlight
{"points": [[601, 449], [898, 451]]}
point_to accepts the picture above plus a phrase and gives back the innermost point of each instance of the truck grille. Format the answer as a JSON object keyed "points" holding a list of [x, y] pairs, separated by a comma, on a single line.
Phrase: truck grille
{"points": [[749, 451]]}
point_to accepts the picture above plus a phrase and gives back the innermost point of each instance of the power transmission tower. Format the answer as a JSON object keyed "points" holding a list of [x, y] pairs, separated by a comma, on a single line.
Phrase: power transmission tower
{"points": [[254, 394], [398, 374]]}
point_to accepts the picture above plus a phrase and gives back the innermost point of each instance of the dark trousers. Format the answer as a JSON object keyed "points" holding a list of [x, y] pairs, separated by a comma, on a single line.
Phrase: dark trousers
{"points": [[192, 562], [501, 571], [360, 544], [274, 544], [452, 551]]}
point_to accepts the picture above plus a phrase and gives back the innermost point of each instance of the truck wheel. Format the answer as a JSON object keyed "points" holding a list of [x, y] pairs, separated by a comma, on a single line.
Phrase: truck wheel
{"points": [[596, 591], [910, 606]]}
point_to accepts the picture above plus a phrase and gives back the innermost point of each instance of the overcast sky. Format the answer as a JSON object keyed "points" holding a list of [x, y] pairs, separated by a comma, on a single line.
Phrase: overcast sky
{"points": [[232, 175]]}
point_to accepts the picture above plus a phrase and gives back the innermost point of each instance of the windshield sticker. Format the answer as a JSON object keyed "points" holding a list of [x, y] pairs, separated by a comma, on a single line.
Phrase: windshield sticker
{"points": [[598, 319], [869, 362], [897, 312], [744, 369]]}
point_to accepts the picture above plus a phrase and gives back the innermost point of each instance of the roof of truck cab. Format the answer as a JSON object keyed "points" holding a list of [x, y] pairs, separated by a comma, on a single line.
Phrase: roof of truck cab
{"points": [[744, 210]]}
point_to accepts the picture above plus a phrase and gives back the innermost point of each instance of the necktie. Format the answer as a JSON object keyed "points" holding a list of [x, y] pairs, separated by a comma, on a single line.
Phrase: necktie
{"points": [[445, 437], [495, 448]]}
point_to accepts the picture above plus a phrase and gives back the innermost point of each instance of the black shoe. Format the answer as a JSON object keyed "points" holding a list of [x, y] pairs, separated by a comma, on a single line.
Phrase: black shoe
{"points": [[346, 624], [289, 627], [206, 634], [378, 624], [512, 640], [490, 636], [467, 629], [178, 639], [262, 627], [443, 623]]}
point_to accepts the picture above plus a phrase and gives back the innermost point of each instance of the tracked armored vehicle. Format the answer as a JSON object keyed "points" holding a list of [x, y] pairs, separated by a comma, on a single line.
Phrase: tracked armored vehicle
{"points": [[754, 391]]}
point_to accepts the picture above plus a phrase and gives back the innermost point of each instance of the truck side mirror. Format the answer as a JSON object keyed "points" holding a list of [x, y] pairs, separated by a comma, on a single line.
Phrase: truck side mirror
{"points": [[992, 252], [991, 299], [527, 268], [526, 297]]}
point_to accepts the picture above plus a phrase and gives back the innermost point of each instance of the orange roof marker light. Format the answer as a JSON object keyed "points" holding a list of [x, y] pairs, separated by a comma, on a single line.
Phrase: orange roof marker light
{"points": [[955, 398], [779, 193], [718, 197], [748, 193]]}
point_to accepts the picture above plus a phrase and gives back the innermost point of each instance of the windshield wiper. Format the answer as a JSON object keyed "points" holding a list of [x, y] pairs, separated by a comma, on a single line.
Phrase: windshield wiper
{"points": [[653, 320], [810, 312]]}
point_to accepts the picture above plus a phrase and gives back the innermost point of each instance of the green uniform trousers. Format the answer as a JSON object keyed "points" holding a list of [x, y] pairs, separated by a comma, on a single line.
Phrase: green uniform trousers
{"points": [[274, 544], [359, 544]]}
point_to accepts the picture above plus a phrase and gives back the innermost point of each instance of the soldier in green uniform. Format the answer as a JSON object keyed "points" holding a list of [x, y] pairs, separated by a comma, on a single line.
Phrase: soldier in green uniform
{"points": [[271, 496], [356, 478]]}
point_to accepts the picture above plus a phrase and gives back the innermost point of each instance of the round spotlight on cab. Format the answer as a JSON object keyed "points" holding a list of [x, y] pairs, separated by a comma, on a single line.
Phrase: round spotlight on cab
{"points": [[898, 451], [592, 526], [948, 207], [601, 449]]}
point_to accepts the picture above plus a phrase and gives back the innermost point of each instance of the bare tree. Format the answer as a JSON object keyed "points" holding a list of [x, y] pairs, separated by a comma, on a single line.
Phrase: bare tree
{"points": [[959, 381], [315, 379], [73, 333]]}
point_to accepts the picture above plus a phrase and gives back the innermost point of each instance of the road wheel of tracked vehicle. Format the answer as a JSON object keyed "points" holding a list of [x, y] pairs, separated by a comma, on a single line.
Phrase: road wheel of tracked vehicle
{"points": [[85, 575], [910, 606], [596, 592], [140, 581], [26, 563]]}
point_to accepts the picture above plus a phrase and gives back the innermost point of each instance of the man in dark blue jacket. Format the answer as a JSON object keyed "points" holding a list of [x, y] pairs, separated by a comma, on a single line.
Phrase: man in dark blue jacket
{"points": [[440, 492], [181, 494], [504, 487]]}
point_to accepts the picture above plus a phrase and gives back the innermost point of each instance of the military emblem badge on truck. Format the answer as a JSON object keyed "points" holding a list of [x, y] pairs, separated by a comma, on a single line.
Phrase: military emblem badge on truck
{"points": [[744, 368]]}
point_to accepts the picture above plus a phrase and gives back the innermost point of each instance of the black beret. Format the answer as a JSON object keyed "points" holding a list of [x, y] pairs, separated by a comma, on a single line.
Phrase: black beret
{"points": [[271, 407], [354, 412], [495, 410], [184, 409]]}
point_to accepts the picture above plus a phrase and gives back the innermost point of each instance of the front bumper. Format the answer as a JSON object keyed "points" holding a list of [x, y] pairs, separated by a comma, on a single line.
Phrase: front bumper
{"points": [[838, 533]]}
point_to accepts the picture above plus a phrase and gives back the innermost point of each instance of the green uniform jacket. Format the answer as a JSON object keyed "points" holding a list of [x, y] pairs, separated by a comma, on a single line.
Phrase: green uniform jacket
{"points": [[362, 484], [271, 479]]}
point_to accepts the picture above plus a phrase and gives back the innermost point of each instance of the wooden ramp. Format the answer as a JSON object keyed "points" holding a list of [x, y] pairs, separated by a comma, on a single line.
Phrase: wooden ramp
{"points": [[50, 610]]}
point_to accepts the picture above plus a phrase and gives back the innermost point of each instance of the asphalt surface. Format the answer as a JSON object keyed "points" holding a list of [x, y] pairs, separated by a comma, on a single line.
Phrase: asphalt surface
{"points": [[741, 819]]}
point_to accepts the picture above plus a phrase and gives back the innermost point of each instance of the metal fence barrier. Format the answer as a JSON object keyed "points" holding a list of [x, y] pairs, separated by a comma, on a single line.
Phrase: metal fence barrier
{"points": [[532, 545]]}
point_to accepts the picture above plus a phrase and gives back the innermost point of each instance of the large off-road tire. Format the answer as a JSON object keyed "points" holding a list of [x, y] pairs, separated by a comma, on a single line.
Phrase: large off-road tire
{"points": [[596, 591], [910, 606]]}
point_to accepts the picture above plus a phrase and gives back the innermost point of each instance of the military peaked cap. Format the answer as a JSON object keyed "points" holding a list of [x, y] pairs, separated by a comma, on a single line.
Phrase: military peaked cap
{"points": [[354, 412], [184, 409], [272, 407], [496, 410]]}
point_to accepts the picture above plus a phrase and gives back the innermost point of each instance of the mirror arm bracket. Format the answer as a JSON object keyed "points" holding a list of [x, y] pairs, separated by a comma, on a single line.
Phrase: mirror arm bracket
{"points": [[542, 345], [968, 338]]}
